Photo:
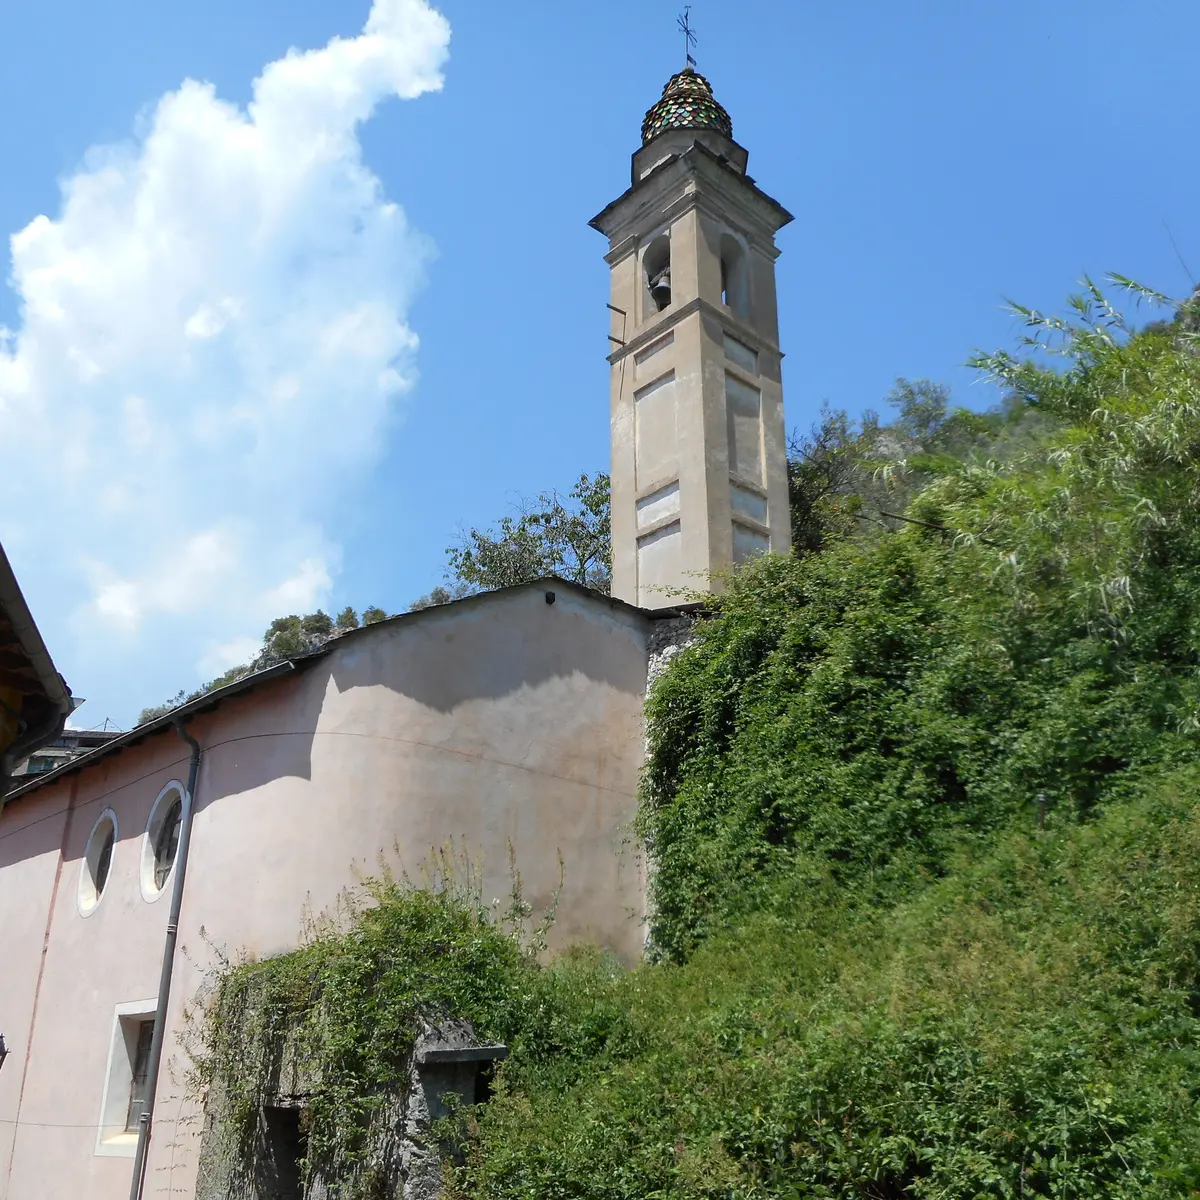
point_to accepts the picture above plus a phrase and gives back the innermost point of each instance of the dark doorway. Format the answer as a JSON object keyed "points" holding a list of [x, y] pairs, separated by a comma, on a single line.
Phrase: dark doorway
{"points": [[279, 1176]]}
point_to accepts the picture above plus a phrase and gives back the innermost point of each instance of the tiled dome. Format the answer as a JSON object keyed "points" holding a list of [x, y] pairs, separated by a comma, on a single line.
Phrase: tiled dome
{"points": [[687, 103]]}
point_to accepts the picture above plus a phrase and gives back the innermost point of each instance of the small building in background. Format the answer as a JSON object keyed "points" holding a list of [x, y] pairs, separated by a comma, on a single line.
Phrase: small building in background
{"points": [[69, 745]]}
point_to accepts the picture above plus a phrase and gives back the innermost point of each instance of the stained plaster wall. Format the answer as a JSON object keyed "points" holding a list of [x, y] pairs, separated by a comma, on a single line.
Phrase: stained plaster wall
{"points": [[495, 721]]}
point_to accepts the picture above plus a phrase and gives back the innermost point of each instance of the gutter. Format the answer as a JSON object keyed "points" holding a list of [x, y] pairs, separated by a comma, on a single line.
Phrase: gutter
{"points": [[168, 965], [204, 703]]}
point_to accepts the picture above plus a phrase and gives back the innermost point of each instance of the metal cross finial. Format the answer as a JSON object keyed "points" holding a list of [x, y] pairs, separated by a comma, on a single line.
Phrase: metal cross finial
{"points": [[689, 34]]}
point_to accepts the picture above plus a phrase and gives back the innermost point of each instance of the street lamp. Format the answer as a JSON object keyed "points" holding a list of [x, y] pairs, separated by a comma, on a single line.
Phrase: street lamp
{"points": [[3, 1050]]}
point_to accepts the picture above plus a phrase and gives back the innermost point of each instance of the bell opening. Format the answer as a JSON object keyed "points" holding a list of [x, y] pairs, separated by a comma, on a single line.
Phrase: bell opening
{"points": [[656, 263]]}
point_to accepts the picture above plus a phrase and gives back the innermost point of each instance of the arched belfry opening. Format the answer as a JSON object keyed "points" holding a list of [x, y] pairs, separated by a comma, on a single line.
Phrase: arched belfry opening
{"points": [[699, 455], [735, 276], [656, 268]]}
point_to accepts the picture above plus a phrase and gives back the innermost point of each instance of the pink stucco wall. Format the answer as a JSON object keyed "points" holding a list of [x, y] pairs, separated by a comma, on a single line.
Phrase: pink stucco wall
{"points": [[495, 721]]}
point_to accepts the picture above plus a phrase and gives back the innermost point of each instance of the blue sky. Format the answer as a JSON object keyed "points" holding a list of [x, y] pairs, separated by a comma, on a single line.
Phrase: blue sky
{"points": [[259, 360]]}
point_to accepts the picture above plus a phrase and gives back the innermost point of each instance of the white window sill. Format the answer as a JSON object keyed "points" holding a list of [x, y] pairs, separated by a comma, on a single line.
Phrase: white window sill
{"points": [[119, 1145]]}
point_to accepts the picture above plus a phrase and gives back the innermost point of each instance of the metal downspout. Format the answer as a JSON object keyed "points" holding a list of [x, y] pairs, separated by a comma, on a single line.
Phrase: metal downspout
{"points": [[168, 963]]}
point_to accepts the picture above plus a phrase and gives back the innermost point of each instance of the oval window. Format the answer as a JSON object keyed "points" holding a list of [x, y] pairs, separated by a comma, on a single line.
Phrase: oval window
{"points": [[161, 842], [97, 861], [168, 842]]}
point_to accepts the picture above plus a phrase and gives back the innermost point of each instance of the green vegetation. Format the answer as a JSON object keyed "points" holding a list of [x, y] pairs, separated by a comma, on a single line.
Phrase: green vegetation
{"points": [[1021, 1027], [922, 802], [338, 1017], [547, 536]]}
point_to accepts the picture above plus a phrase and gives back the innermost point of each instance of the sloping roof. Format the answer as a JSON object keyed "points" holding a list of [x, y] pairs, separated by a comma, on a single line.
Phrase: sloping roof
{"points": [[140, 733], [211, 700]]}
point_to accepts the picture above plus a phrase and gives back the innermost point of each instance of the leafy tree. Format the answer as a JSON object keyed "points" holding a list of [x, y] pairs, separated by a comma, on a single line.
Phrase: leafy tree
{"points": [[440, 595], [293, 636], [347, 619], [160, 710], [373, 615], [826, 479], [849, 479], [548, 536]]}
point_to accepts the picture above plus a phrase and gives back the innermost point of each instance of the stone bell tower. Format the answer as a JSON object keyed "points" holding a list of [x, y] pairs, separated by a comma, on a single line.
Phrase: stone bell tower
{"points": [[699, 467]]}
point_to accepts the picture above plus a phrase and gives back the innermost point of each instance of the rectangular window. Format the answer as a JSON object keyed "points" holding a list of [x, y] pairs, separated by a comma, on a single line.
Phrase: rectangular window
{"points": [[140, 1069], [124, 1098]]}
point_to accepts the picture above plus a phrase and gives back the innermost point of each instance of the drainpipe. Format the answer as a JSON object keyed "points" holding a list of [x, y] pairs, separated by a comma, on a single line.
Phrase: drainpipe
{"points": [[168, 963]]}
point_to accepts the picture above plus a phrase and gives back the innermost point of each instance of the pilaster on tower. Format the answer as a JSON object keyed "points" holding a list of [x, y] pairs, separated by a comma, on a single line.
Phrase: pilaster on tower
{"points": [[699, 464]]}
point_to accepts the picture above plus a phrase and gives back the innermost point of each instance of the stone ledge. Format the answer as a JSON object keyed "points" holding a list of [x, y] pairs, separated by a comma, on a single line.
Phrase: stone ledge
{"points": [[461, 1054]]}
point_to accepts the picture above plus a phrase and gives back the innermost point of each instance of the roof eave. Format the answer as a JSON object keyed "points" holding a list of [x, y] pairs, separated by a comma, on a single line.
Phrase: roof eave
{"points": [[167, 721], [12, 602], [600, 220]]}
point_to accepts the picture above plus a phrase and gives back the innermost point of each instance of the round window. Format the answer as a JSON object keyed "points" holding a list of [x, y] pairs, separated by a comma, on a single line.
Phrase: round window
{"points": [[97, 861], [161, 842]]}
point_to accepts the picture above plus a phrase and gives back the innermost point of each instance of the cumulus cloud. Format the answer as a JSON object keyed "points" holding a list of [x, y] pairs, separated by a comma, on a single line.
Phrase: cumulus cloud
{"points": [[213, 341]]}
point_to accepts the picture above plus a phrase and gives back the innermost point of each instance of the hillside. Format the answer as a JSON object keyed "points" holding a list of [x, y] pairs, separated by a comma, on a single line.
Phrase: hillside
{"points": [[922, 804]]}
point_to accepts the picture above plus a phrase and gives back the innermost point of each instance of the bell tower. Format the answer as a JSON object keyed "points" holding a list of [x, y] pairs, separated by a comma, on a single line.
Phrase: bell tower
{"points": [[699, 465]]}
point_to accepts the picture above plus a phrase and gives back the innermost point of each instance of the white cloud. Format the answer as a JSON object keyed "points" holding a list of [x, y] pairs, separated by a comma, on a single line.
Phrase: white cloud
{"points": [[213, 342]]}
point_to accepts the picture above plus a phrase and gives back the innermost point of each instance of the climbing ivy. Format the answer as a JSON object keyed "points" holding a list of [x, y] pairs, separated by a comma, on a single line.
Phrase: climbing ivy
{"points": [[334, 1022]]}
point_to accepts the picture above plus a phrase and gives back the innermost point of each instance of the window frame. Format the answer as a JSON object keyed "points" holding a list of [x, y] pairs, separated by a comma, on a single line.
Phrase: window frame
{"points": [[139, 1064], [152, 886], [89, 894], [113, 1137]]}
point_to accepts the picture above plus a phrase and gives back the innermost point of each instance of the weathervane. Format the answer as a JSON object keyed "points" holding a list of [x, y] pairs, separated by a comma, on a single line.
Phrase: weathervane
{"points": [[689, 35]]}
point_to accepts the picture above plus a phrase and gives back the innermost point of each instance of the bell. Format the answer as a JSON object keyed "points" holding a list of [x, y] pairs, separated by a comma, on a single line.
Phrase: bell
{"points": [[660, 288]]}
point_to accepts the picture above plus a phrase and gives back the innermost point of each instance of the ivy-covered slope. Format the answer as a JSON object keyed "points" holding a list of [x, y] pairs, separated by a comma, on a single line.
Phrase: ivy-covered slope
{"points": [[1023, 1027], [1033, 643]]}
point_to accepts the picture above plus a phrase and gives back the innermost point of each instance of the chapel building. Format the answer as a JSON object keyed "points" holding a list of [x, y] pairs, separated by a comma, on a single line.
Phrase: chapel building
{"points": [[508, 725]]}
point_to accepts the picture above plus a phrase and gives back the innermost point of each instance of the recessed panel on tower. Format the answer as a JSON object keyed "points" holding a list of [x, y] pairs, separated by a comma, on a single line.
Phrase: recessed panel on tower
{"points": [[659, 566], [656, 431], [743, 417]]}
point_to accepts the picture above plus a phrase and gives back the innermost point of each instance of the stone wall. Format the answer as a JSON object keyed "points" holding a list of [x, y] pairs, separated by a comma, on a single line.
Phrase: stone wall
{"points": [[667, 638]]}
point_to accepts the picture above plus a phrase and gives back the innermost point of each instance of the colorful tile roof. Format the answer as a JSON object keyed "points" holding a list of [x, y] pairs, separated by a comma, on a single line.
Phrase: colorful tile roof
{"points": [[687, 103]]}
